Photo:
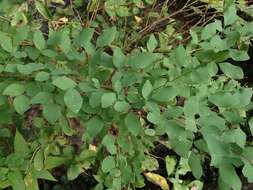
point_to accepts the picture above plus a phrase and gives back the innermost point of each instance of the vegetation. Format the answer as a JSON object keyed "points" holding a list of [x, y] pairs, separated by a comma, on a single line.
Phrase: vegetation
{"points": [[124, 94]]}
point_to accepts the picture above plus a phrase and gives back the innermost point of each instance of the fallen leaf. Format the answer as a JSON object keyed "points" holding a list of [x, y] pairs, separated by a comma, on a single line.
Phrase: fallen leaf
{"points": [[157, 180], [138, 19]]}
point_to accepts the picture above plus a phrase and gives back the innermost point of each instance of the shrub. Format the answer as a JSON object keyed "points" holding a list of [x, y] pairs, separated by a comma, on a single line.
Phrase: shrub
{"points": [[68, 102]]}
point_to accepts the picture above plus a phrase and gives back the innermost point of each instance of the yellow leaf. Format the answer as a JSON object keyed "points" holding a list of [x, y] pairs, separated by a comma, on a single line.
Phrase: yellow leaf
{"points": [[157, 180], [242, 112], [93, 148], [59, 2], [28, 180], [63, 20], [138, 19]]}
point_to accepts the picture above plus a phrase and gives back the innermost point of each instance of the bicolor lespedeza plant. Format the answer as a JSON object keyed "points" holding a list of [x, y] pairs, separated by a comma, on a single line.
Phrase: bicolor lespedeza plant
{"points": [[75, 100]]}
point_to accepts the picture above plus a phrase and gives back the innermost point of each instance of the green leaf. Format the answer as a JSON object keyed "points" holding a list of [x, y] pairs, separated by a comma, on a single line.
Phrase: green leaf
{"points": [[150, 132], [164, 94], [181, 56], [211, 29], [150, 164], [38, 161], [25, 69], [244, 96], [109, 142], [217, 148], [224, 99], [20, 54], [248, 171], [4, 184], [143, 60], [155, 117], [49, 53], [43, 174], [121, 106], [54, 161], [110, 7], [108, 99], [229, 176], [74, 171], [213, 120], [21, 35], [52, 112], [146, 89], [152, 43], [42, 98], [108, 164], [20, 145], [99, 186], [21, 104], [14, 90], [94, 126], [15, 160], [238, 55], [95, 99], [66, 128], [43, 10], [33, 53], [170, 165], [190, 124], [133, 123], [86, 87], [191, 107], [194, 36], [195, 165], [183, 167], [73, 100], [239, 137], [118, 57], [84, 37], [1, 68], [122, 11], [16, 180], [65, 43], [173, 129], [64, 83], [107, 37], [230, 15], [6, 42], [42, 76], [218, 44], [251, 125], [181, 146], [85, 155], [39, 40], [231, 71]]}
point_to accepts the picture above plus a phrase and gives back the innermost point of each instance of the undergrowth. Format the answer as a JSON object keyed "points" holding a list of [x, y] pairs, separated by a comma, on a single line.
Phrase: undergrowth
{"points": [[92, 90]]}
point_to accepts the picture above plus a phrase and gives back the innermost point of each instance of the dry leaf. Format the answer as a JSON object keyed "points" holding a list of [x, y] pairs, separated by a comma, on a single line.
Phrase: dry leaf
{"points": [[157, 180]]}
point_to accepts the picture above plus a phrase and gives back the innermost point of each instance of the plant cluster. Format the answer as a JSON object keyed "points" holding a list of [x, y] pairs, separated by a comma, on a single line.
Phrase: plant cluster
{"points": [[81, 100]]}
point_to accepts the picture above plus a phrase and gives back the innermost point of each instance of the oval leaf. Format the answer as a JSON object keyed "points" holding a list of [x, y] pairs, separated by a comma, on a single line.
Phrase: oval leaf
{"points": [[64, 83], [39, 40], [52, 112], [107, 37], [133, 123], [73, 100], [231, 71], [21, 104]]}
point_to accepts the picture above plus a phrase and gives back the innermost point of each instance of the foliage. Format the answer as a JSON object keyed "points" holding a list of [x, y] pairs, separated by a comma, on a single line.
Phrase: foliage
{"points": [[82, 100]]}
